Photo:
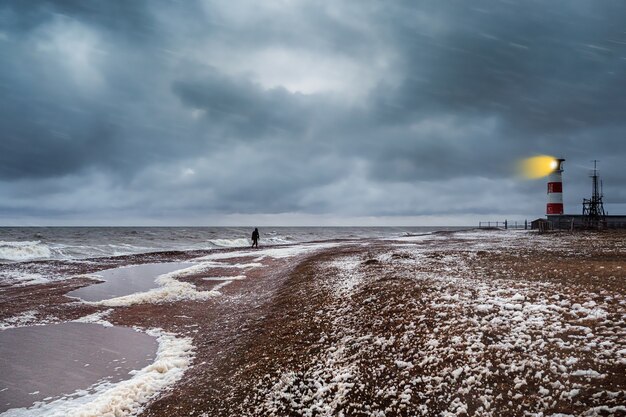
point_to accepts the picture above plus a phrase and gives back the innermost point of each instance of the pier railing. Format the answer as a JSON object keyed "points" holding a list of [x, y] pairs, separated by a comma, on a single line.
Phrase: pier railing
{"points": [[504, 225], [562, 224]]}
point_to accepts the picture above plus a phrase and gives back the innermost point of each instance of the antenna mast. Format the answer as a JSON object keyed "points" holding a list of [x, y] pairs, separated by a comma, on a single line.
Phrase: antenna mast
{"points": [[593, 208]]}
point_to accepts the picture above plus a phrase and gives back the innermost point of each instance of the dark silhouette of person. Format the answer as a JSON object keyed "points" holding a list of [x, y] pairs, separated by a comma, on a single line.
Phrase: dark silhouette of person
{"points": [[255, 238]]}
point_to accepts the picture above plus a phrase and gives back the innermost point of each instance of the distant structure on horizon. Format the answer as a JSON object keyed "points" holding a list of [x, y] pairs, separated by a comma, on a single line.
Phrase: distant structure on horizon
{"points": [[593, 215]]}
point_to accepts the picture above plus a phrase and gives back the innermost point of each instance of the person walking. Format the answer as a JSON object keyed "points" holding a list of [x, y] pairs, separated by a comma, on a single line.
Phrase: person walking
{"points": [[255, 238]]}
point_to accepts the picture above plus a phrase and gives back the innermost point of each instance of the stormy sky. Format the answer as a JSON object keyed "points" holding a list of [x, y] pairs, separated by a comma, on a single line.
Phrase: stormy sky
{"points": [[305, 112]]}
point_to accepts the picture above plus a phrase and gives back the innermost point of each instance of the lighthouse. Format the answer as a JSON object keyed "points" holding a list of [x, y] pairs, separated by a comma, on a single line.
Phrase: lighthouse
{"points": [[555, 189]]}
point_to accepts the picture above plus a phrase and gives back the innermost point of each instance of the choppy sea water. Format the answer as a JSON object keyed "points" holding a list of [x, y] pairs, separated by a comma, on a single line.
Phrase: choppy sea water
{"points": [[19, 244]]}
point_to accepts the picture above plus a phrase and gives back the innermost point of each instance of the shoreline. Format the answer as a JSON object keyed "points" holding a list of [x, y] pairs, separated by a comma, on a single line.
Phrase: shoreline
{"points": [[310, 333]]}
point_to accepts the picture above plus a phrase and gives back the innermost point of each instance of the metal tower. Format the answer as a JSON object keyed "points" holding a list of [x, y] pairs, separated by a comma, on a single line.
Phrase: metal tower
{"points": [[593, 209]]}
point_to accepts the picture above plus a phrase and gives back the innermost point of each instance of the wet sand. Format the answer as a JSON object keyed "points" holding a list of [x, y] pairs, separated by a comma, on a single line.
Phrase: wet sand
{"points": [[50, 361], [481, 323]]}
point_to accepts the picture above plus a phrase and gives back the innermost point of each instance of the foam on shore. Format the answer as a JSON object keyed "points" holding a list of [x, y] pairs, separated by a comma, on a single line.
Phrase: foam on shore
{"points": [[274, 252], [20, 278], [124, 398], [169, 290], [25, 318]]}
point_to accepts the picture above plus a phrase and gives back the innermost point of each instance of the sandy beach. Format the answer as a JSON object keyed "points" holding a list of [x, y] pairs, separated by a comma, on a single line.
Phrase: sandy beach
{"points": [[466, 323]]}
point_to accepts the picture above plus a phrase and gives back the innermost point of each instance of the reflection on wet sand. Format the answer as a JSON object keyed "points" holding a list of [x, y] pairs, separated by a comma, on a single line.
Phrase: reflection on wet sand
{"points": [[45, 362], [126, 280]]}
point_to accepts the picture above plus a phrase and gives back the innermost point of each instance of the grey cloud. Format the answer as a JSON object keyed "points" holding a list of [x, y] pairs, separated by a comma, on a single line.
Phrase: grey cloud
{"points": [[130, 17], [244, 107], [551, 67]]}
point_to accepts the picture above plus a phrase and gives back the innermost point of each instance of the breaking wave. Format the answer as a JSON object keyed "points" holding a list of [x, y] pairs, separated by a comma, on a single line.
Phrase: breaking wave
{"points": [[243, 242], [277, 240], [230, 243], [23, 251]]}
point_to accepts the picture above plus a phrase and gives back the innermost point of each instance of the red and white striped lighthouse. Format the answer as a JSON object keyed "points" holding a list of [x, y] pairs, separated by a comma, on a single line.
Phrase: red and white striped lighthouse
{"points": [[555, 189]]}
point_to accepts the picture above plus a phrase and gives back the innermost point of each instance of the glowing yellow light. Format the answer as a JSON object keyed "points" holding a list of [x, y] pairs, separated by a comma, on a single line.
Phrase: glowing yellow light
{"points": [[537, 166]]}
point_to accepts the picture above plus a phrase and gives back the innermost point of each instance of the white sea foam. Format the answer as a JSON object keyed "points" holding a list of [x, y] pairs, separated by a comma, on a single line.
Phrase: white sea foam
{"points": [[277, 240], [244, 242], [127, 397], [276, 252], [97, 318], [205, 266], [17, 277], [234, 278], [25, 318], [416, 238], [169, 290], [23, 250], [230, 243], [221, 285]]}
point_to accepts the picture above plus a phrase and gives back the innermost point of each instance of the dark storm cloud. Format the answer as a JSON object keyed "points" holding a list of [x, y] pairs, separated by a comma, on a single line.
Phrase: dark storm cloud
{"points": [[244, 107], [543, 71], [545, 67], [358, 109], [129, 17]]}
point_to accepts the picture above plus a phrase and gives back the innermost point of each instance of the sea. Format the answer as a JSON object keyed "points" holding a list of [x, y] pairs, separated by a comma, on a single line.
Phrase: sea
{"points": [[31, 255], [23, 244]]}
